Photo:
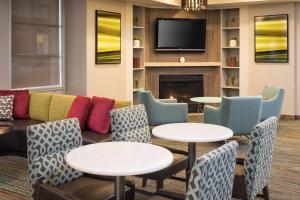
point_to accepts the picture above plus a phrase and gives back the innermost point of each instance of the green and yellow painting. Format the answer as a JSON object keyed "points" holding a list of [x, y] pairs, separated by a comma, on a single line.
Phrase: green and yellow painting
{"points": [[271, 39], [108, 37]]}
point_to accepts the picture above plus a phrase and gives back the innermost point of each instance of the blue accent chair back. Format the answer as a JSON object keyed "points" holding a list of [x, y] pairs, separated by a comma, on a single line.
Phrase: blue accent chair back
{"points": [[272, 102], [162, 111], [240, 114]]}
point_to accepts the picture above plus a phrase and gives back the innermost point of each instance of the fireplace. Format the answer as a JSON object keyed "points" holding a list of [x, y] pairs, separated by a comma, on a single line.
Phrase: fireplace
{"points": [[181, 87]]}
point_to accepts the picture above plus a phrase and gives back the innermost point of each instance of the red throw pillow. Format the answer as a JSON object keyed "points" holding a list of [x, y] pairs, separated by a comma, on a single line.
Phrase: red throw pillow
{"points": [[99, 118], [21, 102], [80, 110]]}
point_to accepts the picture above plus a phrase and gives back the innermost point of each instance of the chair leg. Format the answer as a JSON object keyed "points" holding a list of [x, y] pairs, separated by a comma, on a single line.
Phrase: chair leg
{"points": [[266, 193], [144, 182], [159, 184]]}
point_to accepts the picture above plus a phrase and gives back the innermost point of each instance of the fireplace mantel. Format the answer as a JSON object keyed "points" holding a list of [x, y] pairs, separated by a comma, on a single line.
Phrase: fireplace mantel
{"points": [[209, 70], [185, 64]]}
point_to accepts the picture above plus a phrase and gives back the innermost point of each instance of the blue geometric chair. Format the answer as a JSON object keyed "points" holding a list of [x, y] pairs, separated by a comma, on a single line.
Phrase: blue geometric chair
{"points": [[253, 173], [211, 178], [130, 124], [240, 114], [50, 177], [162, 111], [272, 100]]}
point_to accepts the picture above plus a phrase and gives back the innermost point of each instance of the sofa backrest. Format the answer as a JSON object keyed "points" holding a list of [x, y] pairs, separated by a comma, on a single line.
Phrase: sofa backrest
{"points": [[60, 106], [51, 107]]}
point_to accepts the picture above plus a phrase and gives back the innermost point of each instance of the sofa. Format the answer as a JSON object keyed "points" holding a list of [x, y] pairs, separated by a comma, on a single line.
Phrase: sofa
{"points": [[45, 107]]}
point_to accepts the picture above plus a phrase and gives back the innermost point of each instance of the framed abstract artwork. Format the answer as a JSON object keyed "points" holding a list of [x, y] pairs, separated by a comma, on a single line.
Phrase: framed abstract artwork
{"points": [[108, 37], [271, 39]]}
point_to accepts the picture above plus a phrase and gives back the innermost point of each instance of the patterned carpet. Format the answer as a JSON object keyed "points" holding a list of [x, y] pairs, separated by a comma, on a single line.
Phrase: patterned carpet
{"points": [[284, 185]]}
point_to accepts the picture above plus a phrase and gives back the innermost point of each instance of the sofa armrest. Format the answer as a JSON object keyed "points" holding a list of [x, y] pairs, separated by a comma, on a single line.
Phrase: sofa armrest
{"points": [[168, 100], [44, 191], [212, 115]]}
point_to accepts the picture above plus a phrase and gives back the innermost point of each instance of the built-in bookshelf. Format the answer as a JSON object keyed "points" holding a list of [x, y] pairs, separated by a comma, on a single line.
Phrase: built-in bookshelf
{"points": [[230, 52], [138, 50]]}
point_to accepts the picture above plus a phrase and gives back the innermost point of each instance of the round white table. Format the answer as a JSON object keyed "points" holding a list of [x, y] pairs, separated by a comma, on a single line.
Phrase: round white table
{"points": [[192, 133], [206, 100], [119, 159]]}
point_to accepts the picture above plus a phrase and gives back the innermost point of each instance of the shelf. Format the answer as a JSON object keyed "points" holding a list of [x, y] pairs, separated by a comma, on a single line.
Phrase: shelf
{"points": [[230, 28], [138, 47], [138, 27], [185, 64], [230, 47], [230, 67], [138, 69], [231, 87]]}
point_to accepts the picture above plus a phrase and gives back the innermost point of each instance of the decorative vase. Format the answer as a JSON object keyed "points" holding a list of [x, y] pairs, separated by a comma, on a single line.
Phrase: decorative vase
{"points": [[236, 82], [136, 83], [233, 43], [182, 59], [232, 61], [136, 43]]}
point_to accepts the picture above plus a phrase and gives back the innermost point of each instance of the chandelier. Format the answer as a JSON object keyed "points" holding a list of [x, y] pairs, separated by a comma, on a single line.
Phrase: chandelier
{"points": [[195, 5]]}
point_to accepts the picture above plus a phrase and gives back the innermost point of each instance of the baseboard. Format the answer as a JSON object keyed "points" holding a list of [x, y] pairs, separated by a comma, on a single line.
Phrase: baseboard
{"points": [[291, 117]]}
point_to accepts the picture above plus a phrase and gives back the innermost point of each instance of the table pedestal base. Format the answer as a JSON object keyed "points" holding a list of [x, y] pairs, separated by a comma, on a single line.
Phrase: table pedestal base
{"points": [[120, 188]]}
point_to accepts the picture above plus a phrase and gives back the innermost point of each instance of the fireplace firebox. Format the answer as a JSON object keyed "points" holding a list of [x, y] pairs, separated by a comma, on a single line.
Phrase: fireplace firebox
{"points": [[182, 87]]}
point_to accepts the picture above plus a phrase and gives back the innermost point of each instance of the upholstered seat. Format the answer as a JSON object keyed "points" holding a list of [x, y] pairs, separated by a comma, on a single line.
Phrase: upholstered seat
{"points": [[50, 177], [240, 114], [252, 174], [211, 178], [131, 124], [162, 111]]}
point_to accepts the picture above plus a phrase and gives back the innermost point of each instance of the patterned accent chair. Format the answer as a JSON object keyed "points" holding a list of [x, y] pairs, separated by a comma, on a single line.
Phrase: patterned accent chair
{"points": [[162, 111], [211, 178], [131, 125], [49, 175], [240, 114], [272, 102], [253, 173]]}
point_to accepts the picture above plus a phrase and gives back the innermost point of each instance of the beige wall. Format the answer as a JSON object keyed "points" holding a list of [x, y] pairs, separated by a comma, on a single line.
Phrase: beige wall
{"points": [[281, 75], [4, 44], [298, 59], [113, 81]]}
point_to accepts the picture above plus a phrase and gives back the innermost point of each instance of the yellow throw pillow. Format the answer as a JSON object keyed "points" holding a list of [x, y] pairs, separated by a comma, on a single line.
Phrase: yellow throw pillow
{"points": [[121, 104], [39, 106], [60, 106]]}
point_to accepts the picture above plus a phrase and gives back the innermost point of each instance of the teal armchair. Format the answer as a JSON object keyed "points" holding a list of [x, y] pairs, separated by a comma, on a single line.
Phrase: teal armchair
{"points": [[272, 102], [240, 114], [162, 111]]}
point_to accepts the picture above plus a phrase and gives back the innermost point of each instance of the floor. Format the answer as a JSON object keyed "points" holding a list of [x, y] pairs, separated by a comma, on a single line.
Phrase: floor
{"points": [[284, 184]]}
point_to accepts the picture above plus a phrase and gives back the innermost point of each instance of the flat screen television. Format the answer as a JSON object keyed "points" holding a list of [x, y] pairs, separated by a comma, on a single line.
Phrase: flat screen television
{"points": [[174, 34]]}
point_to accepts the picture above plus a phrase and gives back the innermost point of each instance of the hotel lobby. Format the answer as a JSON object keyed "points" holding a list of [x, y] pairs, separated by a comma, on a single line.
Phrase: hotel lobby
{"points": [[149, 99]]}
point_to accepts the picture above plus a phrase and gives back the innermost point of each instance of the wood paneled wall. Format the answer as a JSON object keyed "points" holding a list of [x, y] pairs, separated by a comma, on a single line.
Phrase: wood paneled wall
{"points": [[212, 53]]}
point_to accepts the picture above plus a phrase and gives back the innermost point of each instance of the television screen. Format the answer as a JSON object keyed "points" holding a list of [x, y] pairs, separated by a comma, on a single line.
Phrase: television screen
{"points": [[180, 34]]}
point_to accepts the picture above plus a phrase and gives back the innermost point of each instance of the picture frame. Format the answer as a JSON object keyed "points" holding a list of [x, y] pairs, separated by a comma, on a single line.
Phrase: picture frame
{"points": [[107, 37], [271, 42]]}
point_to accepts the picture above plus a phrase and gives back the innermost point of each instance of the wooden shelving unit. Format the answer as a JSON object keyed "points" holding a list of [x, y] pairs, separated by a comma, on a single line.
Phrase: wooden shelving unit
{"points": [[230, 73], [138, 52]]}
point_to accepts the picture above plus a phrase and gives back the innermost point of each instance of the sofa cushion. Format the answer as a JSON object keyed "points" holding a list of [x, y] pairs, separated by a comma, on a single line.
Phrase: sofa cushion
{"points": [[80, 110], [60, 106], [39, 106], [6, 107], [21, 102], [90, 137], [121, 104], [16, 139], [99, 117]]}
